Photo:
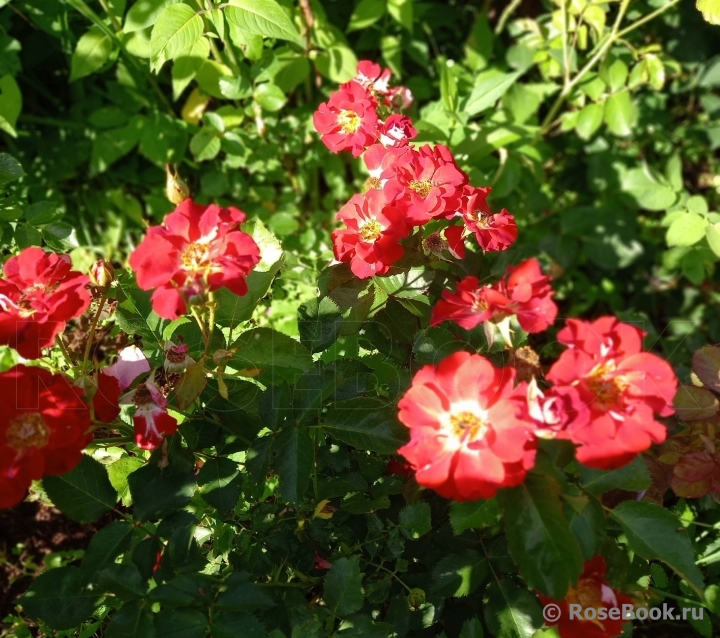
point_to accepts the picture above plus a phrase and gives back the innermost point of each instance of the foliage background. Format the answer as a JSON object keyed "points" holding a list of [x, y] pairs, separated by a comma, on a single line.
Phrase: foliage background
{"points": [[604, 149]]}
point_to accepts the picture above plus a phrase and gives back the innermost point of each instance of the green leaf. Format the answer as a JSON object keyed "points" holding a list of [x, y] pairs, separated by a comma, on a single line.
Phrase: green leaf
{"points": [[220, 484], [694, 404], [110, 145], [650, 190], [402, 12], [58, 597], [589, 120], [633, 477], [365, 14], [512, 612], [710, 10], [615, 74], [472, 629], [60, 236], [187, 65], [230, 625], [280, 356], [293, 450], [132, 620], [92, 51], [319, 324], [10, 169], [176, 30], [367, 423], [474, 515], [343, 587], [269, 97], [118, 473], [459, 574], [105, 547], [539, 538], [10, 104], [620, 114], [488, 91], [85, 493], [588, 527], [655, 533], [144, 13], [264, 18], [180, 623], [686, 230], [415, 520], [205, 145], [156, 493], [243, 596], [338, 63], [432, 345], [122, 580], [233, 309]]}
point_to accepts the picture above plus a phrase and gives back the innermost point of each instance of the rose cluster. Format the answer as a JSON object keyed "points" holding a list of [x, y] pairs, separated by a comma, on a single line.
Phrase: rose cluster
{"points": [[47, 419], [474, 428], [408, 186]]}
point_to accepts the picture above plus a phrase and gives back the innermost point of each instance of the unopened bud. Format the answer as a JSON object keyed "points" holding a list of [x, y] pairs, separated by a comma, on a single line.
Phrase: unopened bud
{"points": [[176, 190], [102, 274], [416, 598]]}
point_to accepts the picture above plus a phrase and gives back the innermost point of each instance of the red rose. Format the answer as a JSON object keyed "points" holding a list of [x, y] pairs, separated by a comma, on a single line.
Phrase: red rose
{"points": [[371, 240], [427, 183], [591, 592], [524, 291], [396, 131], [198, 248], [39, 294], [620, 385], [467, 439], [493, 231], [348, 120], [372, 77], [151, 419], [44, 426]]}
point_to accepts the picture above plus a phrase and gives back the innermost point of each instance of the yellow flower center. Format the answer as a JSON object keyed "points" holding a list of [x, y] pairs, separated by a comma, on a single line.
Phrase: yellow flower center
{"points": [[607, 389], [28, 430], [194, 257], [482, 219], [370, 230], [373, 183], [349, 121], [422, 188], [466, 425]]}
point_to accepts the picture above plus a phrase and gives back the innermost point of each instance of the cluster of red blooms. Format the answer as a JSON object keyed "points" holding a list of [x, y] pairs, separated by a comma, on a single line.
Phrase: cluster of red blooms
{"points": [[408, 186], [474, 429], [46, 420]]}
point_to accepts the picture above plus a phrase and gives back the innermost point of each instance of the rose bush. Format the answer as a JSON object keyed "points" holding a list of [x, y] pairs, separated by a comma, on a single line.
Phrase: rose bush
{"points": [[436, 375]]}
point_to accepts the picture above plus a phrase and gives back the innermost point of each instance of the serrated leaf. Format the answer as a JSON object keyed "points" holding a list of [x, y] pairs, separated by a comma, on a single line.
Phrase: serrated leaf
{"points": [[91, 52], [459, 574], [144, 13], [10, 169], [343, 587], [620, 114], [710, 10], [293, 458], [512, 612], [85, 493], [118, 473], [58, 597], [632, 477], [280, 356], [234, 625], [539, 538], [694, 404], [319, 324], [655, 533], [414, 520], [176, 30], [706, 364], [180, 623], [188, 64], [474, 515], [220, 483], [367, 423], [132, 620], [487, 92], [264, 18], [105, 546], [589, 120]]}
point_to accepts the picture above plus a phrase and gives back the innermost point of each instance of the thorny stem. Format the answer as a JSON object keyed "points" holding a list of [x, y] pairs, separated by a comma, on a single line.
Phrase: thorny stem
{"points": [[393, 574], [63, 349], [211, 321], [91, 334]]}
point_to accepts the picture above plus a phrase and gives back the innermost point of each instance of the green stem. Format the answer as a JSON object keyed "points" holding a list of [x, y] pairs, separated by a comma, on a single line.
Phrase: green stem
{"points": [[650, 16], [112, 441], [505, 15], [111, 15], [393, 574], [566, 58], [695, 603], [91, 334], [63, 349], [212, 307]]}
